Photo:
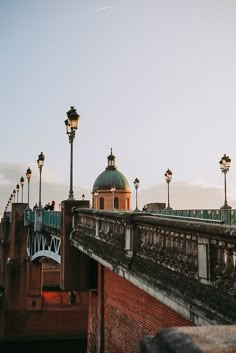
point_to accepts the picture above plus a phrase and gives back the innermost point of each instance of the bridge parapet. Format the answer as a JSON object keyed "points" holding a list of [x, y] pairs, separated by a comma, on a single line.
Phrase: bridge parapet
{"points": [[195, 258], [113, 228], [203, 251], [206, 252]]}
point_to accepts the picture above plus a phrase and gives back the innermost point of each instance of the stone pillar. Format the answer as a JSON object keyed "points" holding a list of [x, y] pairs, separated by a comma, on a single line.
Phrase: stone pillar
{"points": [[15, 285], [97, 227], [34, 286], [203, 260], [16, 265], [74, 264], [4, 246], [18, 233], [129, 239]]}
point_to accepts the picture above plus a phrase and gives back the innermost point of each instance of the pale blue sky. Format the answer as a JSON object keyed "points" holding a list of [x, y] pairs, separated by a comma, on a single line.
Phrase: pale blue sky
{"points": [[155, 80]]}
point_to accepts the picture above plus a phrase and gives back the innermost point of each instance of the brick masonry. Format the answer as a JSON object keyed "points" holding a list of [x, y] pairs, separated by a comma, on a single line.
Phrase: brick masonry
{"points": [[130, 314]]}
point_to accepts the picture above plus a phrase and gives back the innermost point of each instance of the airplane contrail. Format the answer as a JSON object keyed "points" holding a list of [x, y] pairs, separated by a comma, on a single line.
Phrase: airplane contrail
{"points": [[101, 9]]}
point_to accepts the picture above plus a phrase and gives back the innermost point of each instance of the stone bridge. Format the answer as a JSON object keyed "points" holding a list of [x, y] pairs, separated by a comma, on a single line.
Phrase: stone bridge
{"points": [[142, 273]]}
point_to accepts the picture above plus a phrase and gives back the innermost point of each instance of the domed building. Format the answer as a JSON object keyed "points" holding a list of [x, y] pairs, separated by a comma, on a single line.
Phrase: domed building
{"points": [[111, 190]]}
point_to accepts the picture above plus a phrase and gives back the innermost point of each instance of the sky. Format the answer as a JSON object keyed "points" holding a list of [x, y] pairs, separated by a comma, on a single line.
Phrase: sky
{"points": [[153, 79]]}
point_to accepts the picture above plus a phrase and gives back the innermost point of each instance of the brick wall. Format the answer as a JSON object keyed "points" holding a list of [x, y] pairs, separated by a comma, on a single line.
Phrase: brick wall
{"points": [[108, 200], [46, 324], [130, 314]]}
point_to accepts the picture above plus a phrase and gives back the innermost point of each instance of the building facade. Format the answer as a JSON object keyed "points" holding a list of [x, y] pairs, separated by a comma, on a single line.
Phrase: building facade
{"points": [[111, 190]]}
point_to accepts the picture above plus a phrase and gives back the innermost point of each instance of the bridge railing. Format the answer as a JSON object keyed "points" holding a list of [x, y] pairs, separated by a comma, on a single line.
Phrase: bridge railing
{"points": [[206, 252], [53, 218], [41, 218], [227, 216]]}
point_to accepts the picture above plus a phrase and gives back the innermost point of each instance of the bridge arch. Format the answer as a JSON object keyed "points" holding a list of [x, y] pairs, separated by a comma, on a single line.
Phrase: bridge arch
{"points": [[41, 245]]}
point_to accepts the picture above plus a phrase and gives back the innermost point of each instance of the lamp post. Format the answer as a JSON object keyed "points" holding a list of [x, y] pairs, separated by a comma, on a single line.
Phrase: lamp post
{"points": [[136, 185], [113, 189], [168, 177], [71, 126], [28, 176], [40, 162], [22, 180], [224, 166], [17, 191]]}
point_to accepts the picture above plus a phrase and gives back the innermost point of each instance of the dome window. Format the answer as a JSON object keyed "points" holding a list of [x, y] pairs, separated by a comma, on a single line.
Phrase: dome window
{"points": [[101, 203]]}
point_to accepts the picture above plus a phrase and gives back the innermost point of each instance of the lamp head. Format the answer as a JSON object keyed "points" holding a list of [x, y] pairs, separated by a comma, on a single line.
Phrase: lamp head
{"points": [[73, 118], [28, 173], [168, 175], [136, 183], [225, 163], [40, 160]]}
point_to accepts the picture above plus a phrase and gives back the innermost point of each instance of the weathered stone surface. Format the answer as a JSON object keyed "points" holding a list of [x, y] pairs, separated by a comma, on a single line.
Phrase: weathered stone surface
{"points": [[169, 341], [216, 339]]}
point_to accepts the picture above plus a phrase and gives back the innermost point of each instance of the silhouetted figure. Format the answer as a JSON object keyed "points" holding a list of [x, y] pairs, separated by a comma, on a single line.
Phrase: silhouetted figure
{"points": [[35, 206], [52, 206], [72, 297], [47, 206]]}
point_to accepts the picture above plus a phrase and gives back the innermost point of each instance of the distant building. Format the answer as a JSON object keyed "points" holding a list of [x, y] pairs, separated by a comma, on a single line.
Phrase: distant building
{"points": [[111, 190]]}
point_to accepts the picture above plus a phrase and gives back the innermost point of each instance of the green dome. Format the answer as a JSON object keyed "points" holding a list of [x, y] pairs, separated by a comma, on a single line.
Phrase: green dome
{"points": [[109, 178]]}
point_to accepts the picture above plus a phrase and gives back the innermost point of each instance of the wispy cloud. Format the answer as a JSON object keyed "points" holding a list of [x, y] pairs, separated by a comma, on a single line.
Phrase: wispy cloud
{"points": [[100, 9]]}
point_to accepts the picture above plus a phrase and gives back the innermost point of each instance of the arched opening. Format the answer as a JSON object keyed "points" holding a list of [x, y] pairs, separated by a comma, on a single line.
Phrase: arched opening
{"points": [[101, 203], [116, 203]]}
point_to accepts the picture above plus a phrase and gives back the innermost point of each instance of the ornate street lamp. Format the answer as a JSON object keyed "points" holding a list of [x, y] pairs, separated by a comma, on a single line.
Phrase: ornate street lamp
{"points": [[168, 177], [224, 166], [28, 176], [136, 185], [14, 195], [17, 191], [113, 189], [10, 200], [40, 162], [22, 180], [71, 126]]}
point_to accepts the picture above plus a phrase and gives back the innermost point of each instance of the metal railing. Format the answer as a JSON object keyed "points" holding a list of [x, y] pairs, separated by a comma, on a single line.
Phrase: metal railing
{"points": [[53, 218], [40, 217], [220, 215]]}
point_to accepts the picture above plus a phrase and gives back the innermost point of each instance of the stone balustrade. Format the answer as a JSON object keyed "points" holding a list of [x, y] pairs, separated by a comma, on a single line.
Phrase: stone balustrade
{"points": [[206, 252]]}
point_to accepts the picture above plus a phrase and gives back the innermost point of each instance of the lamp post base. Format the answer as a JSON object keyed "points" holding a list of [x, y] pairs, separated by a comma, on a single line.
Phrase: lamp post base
{"points": [[168, 208], [71, 196], [225, 207]]}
